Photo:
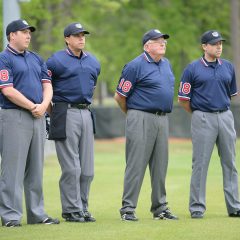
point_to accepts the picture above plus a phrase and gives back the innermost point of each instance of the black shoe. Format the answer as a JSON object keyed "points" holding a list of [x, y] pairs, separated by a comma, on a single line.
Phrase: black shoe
{"points": [[235, 214], [12, 223], [129, 216], [88, 217], [50, 220], [164, 215], [197, 214], [74, 217]]}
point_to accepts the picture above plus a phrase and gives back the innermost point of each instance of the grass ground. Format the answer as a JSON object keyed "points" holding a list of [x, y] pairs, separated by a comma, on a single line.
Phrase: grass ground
{"points": [[105, 201]]}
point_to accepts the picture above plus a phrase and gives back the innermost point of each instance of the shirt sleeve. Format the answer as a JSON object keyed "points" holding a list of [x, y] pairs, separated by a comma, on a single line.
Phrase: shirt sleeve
{"points": [[185, 87], [98, 69], [46, 75], [233, 86], [6, 76], [127, 81], [51, 66]]}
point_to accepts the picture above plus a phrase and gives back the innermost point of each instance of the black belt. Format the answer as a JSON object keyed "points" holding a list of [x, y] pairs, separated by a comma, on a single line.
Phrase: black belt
{"points": [[16, 108], [74, 105], [217, 111], [79, 105], [158, 113]]}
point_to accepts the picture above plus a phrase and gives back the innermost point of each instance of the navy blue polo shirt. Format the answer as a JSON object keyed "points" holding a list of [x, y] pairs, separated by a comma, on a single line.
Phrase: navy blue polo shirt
{"points": [[208, 87], [26, 72], [147, 85], [1, 99], [73, 78]]}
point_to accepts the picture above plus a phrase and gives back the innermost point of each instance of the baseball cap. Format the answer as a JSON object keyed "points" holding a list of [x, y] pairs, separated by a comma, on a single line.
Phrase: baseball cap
{"points": [[211, 37], [18, 25], [153, 34], [74, 28]]}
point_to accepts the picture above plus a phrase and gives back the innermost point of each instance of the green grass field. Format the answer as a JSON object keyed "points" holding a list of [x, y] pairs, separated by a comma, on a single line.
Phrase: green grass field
{"points": [[105, 201]]}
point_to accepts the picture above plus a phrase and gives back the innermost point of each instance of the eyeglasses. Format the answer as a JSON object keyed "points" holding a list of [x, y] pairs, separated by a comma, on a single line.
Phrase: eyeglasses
{"points": [[162, 42]]}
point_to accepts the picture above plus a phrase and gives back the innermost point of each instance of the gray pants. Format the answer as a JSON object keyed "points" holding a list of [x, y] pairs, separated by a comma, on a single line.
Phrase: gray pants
{"points": [[208, 129], [146, 144], [75, 155], [22, 166]]}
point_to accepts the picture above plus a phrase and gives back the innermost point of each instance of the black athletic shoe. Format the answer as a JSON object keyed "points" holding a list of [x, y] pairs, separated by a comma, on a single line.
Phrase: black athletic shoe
{"points": [[235, 214], [164, 215], [74, 217], [50, 220], [88, 217], [12, 223], [129, 216], [197, 214]]}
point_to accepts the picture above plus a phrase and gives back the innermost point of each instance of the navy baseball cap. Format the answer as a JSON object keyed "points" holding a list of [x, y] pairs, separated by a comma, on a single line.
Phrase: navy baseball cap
{"points": [[74, 28], [211, 37], [18, 25], [153, 34]]}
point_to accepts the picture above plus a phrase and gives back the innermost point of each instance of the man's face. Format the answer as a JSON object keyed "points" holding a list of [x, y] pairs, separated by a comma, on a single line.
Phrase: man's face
{"points": [[20, 40], [157, 46], [76, 41], [213, 50]]}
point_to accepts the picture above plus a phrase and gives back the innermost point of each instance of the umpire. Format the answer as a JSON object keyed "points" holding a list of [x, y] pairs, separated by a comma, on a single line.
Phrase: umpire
{"points": [[206, 88], [145, 93], [27, 91], [74, 77]]}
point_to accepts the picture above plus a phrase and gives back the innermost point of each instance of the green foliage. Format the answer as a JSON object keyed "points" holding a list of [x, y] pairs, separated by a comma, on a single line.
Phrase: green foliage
{"points": [[117, 26]]}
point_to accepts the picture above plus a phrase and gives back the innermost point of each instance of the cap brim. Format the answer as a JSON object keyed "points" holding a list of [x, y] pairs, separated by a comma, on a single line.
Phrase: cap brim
{"points": [[31, 28], [216, 40], [165, 36], [79, 31]]}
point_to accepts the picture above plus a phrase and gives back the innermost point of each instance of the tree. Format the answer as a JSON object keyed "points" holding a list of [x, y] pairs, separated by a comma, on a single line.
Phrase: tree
{"points": [[117, 27]]}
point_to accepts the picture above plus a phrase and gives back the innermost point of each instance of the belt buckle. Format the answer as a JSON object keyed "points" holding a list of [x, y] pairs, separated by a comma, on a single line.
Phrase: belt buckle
{"points": [[158, 113]]}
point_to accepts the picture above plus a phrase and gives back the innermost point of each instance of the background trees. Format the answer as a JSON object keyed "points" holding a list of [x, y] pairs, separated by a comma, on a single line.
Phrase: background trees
{"points": [[117, 26]]}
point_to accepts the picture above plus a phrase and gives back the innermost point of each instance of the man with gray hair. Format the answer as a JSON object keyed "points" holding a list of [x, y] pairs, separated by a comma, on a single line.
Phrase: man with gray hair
{"points": [[145, 93]]}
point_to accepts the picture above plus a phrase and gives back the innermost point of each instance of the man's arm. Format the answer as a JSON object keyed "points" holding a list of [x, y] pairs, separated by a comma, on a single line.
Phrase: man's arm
{"points": [[121, 100], [18, 98], [185, 104], [40, 109]]}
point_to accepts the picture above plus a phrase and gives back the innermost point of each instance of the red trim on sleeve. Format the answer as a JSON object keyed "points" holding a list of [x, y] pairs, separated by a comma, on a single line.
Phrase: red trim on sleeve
{"points": [[183, 98], [120, 94], [235, 94], [46, 81], [6, 85]]}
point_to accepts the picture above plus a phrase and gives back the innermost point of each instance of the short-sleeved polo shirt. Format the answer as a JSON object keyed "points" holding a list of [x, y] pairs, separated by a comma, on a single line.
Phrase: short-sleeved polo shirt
{"points": [[26, 72], [74, 78], [208, 87], [147, 85]]}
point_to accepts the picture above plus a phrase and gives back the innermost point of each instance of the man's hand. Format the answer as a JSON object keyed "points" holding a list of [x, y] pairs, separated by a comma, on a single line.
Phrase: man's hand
{"points": [[39, 110]]}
